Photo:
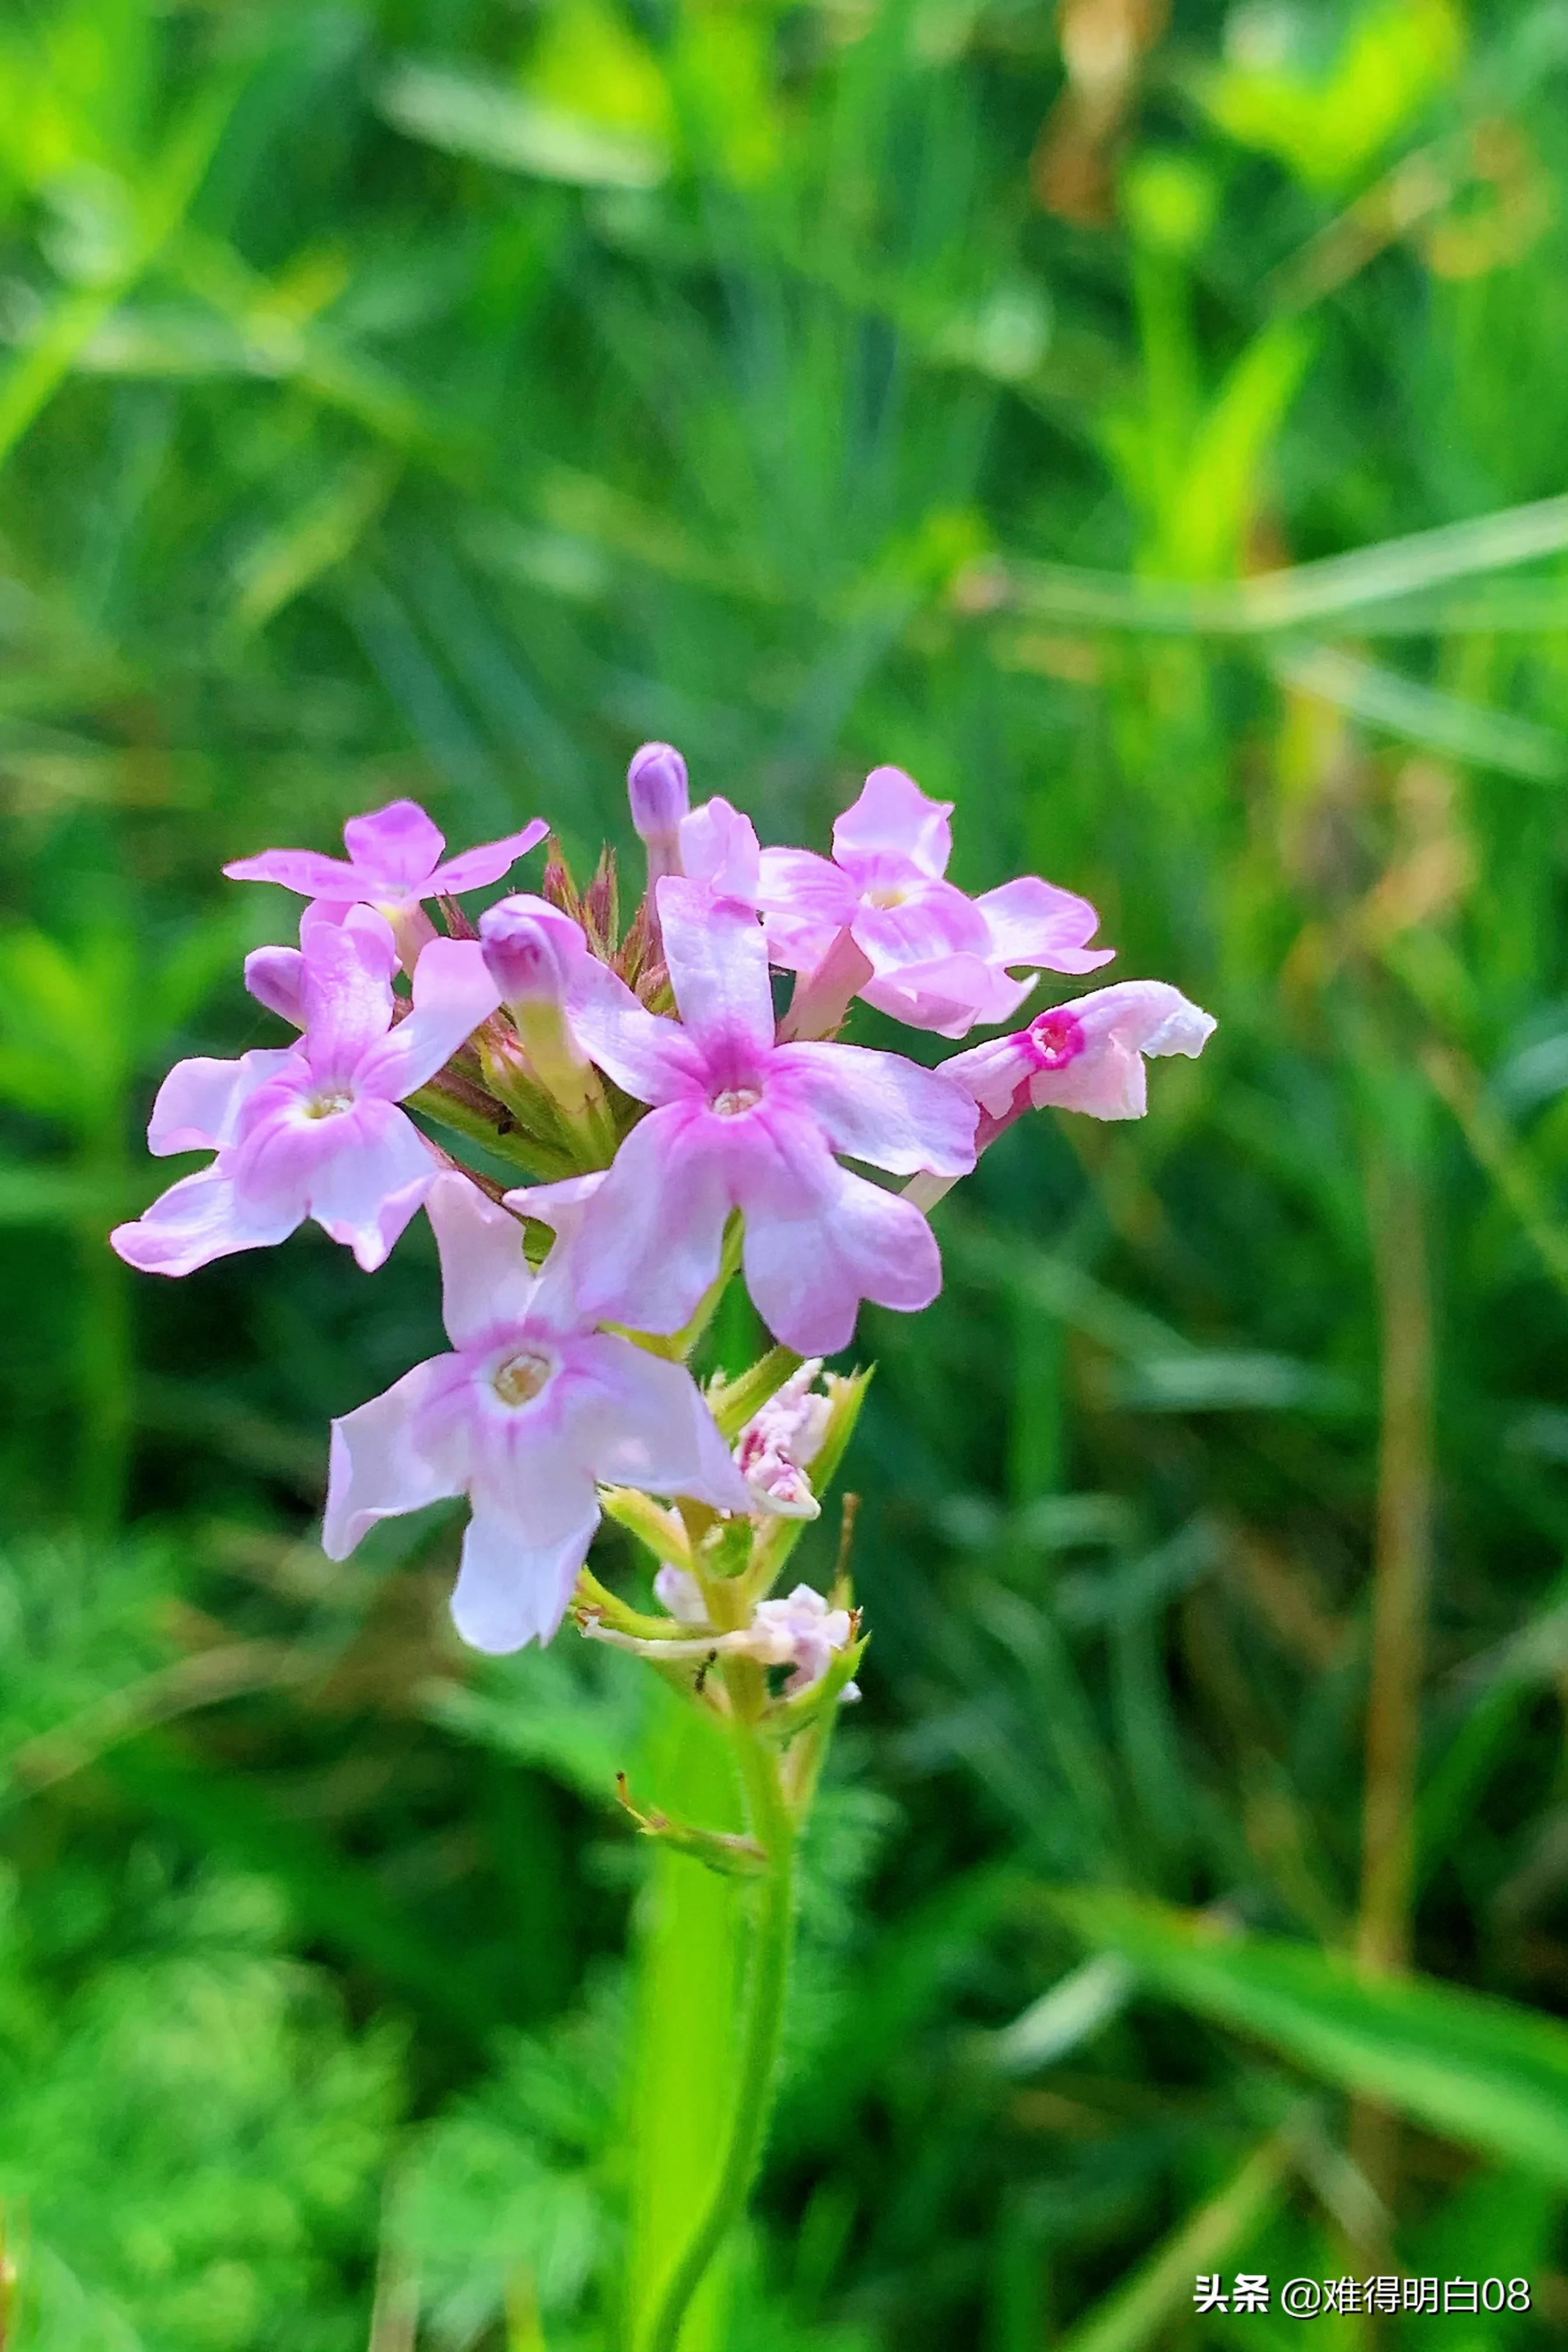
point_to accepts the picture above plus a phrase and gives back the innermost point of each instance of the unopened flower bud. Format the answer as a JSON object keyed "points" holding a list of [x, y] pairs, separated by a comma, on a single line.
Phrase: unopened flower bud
{"points": [[531, 951], [657, 787]]}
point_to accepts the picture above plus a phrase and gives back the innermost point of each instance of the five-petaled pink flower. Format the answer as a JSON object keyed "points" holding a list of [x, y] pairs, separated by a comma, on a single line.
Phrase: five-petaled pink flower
{"points": [[393, 862], [741, 1122], [530, 1409], [1086, 1056], [313, 1130], [883, 920]]}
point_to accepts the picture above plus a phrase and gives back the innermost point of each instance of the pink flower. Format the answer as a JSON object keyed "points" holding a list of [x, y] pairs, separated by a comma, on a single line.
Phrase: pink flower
{"points": [[313, 1130], [780, 1441], [741, 1122], [1086, 1056], [926, 954], [531, 1409], [801, 1632], [393, 862]]}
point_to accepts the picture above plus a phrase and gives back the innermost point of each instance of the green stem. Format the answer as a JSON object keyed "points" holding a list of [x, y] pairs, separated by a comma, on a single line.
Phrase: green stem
{"points": [[773, 1827]]}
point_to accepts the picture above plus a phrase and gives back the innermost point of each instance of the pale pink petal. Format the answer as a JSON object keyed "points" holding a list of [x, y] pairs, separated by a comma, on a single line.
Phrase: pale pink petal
{"points": [[879, 1107], [273, 977], [200, 1100], [471, 869], [197, 1220], [304, 871], [377, 1468], [345, 992], [453, 994], [396, 846], [819, 1240], [719, 849], [650, 1243], [950, 996], [994, 1072], [366, 1189], [1032, 921], [563, 1206], [485, 1280], [892, 815], [650, 1057], [806, 902], [718, 960], [648, 1426], [509, 1592], [915, 921]]}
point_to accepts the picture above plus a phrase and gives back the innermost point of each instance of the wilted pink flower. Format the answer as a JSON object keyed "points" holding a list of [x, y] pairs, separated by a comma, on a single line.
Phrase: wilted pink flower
{"points": [[741, 1122], [313, 1130], [926, 954], [531, 1409], [393, 862], [801, 1630], [1085, 1055], [780, 1441]]}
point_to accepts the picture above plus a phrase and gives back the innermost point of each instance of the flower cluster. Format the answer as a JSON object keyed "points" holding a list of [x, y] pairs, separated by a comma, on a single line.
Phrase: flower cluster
{"points": [[670, 1131]]}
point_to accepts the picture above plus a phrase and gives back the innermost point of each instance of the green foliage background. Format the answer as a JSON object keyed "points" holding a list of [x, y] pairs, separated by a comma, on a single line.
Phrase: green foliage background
{"points": [[1161, 454]]}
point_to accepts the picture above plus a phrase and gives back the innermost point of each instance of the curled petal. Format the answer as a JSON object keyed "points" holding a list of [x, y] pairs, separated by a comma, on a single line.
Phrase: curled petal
{"points": [[200, 1101], [275, 977], [197, 1220], [453, 993], [882, 1109], [719, 849], [1033, 922], [377, 1468], [894, 816]]}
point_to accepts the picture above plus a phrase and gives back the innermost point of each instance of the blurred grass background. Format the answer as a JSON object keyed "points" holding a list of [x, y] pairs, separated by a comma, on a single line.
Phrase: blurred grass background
{"points": [[1148, 428]]}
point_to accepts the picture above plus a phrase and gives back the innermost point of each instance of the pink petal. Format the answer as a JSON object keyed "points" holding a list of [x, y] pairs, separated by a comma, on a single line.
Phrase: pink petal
{"points": [[563, 1206], [345, 992], [195, 1221], [377, 1469], [893, 814], [273, 977], [819, 1240], [1032, 921], [305, 870], [398, 846], [371, 1184], [880, 1108], [453, 993], [718, 960], [471, 869], [806, 902], [200, 1101], [650, 1243], [485, 1280], [650, 1427], [719, 849], [931, 919], [948, 996], [651, 1058], [509, 1592]]}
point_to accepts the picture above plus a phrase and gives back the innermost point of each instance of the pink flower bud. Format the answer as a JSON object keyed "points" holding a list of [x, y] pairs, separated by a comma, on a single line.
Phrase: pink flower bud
{"points": [[531, 951], [656, 788]]}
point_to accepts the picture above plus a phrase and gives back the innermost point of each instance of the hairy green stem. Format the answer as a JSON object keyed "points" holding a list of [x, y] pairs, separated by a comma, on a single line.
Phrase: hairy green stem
{"points": [[774, 1826]]}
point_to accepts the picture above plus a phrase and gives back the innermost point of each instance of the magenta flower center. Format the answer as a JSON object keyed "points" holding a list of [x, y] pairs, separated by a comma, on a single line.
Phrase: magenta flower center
{"points": [[520, 1378], [1054, 1040], [733, 1102]]}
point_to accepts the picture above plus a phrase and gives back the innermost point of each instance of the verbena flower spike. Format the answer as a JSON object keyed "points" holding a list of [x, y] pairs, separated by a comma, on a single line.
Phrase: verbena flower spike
{"points": [[671, 1134]]}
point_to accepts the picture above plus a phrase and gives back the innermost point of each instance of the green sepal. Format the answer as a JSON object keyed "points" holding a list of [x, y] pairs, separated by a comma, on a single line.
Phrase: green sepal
{"points": [[733, 1402], [720, 1850], [790, 1717], [659, 1530]]}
